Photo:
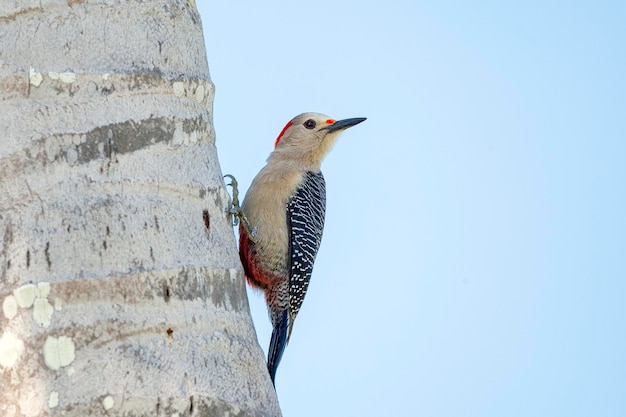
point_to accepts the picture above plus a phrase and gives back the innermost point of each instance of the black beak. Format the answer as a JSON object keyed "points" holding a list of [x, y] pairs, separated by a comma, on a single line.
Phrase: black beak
{"points": [[344, 124]]}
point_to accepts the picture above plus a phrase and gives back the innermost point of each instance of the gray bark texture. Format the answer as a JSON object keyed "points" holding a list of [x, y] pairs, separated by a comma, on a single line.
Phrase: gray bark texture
{"points": [[121, 290]]}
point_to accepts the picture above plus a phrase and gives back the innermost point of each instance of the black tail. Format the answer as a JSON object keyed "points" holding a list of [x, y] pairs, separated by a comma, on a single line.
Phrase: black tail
{"points": [[277, 344]]}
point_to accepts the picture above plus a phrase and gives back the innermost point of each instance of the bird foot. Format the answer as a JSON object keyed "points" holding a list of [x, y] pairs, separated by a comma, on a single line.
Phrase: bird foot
{"points": [[235, 209]]}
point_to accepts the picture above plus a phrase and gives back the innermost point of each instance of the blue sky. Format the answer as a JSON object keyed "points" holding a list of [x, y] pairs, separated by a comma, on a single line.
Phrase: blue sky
{"points": [[474, 256]]}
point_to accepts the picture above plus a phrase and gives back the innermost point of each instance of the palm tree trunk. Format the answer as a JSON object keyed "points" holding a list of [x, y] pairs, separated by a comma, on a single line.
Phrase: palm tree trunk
{"points": [[121, 289]]}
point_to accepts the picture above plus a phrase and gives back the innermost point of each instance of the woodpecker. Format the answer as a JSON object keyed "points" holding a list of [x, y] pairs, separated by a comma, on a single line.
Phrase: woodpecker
{"points": [[282, 219]]}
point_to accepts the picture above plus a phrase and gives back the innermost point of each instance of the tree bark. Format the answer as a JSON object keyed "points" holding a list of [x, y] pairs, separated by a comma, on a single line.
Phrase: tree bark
{"points": [[121, 289]]}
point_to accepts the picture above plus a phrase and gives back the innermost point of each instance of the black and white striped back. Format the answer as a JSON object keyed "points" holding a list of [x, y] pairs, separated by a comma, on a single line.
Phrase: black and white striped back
{"points": [[305, 221]]}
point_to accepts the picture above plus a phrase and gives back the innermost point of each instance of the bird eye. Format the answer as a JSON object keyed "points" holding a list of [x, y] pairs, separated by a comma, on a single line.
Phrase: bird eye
{"points": [[309, 124]]}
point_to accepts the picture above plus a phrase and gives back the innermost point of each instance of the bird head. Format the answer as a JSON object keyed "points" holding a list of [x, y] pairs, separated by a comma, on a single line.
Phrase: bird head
{"points": [[308, 137]]}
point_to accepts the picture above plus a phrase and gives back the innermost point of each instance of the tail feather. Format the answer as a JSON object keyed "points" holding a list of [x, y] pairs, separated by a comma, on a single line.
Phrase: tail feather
{"points": [[277, 344]]}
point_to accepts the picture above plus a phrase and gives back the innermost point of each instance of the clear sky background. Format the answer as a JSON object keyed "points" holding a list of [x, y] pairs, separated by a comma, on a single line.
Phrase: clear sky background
{"points": [[474, 256]]}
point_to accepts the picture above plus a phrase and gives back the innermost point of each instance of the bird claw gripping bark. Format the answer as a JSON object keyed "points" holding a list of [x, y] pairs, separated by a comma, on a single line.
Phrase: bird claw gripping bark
{"points": [[235, 209]]}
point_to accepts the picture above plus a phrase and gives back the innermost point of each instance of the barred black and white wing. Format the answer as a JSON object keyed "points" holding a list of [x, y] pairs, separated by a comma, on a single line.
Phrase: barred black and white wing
{"points": [[305, 221]]}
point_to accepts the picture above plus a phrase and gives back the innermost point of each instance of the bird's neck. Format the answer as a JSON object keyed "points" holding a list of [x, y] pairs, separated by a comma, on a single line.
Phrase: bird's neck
{"points": [[309, 161]]}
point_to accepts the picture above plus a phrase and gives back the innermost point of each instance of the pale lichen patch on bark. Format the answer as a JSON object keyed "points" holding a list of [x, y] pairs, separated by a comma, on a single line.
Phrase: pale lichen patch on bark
{"points": [[9, 307], [25, 295], [58, 352], [200, 93], [42, 312], [108, 402], [35, 77], [11, 348], [179, 88], [67, 77], [43, 289]]}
